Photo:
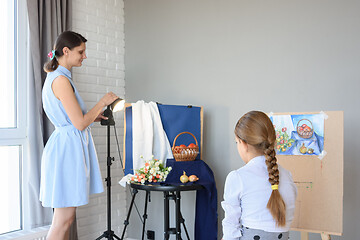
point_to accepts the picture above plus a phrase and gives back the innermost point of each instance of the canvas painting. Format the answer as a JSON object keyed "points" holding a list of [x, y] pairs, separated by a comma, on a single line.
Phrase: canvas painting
{"points": [[301, 134]]}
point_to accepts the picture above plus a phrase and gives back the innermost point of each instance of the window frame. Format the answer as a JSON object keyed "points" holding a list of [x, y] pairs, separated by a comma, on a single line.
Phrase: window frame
{"points": [[17, 136], [21, 75]]}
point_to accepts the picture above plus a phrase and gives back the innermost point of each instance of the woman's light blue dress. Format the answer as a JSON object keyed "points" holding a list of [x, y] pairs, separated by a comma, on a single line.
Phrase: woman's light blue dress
{"points": [[69, 166]]}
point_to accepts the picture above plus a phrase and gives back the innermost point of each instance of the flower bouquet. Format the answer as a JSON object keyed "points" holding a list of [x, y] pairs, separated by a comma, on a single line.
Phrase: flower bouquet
{"points": [[283, 140], [152, 171]]}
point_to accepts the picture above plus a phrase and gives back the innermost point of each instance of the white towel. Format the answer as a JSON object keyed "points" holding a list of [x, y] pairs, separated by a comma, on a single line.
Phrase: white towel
{"points": [[149, 137]]}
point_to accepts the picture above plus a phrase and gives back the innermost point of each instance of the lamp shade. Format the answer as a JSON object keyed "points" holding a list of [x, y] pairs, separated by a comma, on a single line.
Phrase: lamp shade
{"points": [[117, 105]]}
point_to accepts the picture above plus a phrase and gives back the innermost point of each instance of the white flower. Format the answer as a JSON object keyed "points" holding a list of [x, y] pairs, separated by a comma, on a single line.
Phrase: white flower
{"points": [[151, 171]]}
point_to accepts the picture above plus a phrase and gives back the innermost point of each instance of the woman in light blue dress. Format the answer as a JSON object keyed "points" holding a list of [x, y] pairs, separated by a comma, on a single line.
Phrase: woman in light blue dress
{"points": [[69, 168]]}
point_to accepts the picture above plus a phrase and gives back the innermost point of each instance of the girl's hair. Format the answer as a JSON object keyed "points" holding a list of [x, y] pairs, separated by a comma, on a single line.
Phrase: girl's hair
{"points": [[255, 128], [66, 39]]}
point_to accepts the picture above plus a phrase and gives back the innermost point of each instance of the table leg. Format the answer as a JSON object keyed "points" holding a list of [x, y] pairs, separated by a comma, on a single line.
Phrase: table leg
{"points": [[145, 214], [166, 216], [178, 214]]}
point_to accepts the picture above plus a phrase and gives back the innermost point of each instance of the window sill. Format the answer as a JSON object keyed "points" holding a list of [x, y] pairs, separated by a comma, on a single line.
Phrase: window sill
{"points": [[33, 234]]}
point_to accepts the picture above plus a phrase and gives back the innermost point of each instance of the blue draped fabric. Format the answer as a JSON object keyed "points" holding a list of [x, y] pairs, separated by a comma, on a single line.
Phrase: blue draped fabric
{"points": [[175, 119], [206, 199]]}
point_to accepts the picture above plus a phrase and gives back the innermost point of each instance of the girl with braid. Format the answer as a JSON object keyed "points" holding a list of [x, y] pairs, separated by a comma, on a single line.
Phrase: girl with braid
{"points": [[259, 198]]}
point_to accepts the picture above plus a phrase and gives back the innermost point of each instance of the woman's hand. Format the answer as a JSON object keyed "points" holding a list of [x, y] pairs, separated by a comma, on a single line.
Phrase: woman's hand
{"points": [[100, 116], [108, 99]]}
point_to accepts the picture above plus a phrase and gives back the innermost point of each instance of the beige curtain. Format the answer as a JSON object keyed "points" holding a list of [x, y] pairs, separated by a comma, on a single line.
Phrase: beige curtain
{"points": [[47, 19]]}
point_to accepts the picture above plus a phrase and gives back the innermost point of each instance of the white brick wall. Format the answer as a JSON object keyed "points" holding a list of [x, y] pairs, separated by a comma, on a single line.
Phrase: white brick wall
{"points": [[102, 23]]}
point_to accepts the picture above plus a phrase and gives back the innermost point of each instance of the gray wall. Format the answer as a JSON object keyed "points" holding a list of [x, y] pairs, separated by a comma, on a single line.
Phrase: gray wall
{"points": [[234, 56]]}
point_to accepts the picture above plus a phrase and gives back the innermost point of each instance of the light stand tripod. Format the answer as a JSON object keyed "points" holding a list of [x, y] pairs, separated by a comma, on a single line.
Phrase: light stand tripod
{"points": [[109, 234]]}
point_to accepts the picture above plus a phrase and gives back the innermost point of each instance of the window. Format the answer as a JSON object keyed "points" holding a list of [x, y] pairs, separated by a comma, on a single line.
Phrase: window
{"points": [[13, 67]]}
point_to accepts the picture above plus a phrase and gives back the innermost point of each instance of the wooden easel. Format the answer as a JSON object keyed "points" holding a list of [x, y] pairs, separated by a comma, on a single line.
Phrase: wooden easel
{"points": [[324, 236]]}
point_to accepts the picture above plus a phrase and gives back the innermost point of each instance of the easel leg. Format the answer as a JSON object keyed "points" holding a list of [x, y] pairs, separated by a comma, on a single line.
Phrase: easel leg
{"points": [[304, 236], [325, 236]]}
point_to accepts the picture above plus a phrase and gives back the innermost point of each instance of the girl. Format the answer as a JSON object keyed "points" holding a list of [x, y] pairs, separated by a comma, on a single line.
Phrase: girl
{"points": [[259, 198], [69, 168]]}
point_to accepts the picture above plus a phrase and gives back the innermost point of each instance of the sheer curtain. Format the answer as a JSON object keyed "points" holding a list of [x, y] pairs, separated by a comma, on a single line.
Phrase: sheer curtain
{"points": [[47, 19]]}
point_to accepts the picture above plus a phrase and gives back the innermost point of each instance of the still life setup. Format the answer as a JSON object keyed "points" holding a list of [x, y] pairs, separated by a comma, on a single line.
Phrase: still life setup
{"points": [[152, 164]]}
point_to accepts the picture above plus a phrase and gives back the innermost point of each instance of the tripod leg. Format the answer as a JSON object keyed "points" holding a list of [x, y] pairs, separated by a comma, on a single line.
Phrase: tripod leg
{"points": [[102, 236], [126, 222], [116, 237], [182, 220], [145, 214]]}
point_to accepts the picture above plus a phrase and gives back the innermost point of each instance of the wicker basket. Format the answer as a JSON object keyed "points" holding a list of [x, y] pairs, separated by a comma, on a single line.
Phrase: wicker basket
{"points": [[306, 132], [185, 153]]}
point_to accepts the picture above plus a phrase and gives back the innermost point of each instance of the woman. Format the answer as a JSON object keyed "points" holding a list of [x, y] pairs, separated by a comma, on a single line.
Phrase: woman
{"points": [[259, 198], [69, 168]]}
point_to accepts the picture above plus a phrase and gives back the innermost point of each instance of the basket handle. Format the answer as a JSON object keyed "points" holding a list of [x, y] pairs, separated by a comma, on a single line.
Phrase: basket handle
{"points": [[181, 134], [297, 125]]}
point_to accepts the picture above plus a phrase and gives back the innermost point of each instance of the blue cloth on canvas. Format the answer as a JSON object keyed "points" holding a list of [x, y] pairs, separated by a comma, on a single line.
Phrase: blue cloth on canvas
{"points": [[69, 166], [316, 142], [206, 199]]}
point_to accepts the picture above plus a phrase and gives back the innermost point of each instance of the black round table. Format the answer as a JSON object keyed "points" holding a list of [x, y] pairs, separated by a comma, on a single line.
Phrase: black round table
{"points": [[171, 191]]}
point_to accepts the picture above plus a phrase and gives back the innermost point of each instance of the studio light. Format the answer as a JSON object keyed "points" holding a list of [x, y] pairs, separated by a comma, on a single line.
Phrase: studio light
{"points": [[116, 106]]}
